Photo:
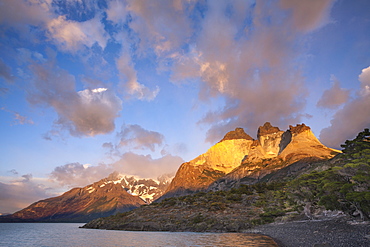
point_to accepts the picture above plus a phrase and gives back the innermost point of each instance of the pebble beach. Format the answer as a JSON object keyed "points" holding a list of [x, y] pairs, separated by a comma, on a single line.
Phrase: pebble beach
{"points": [[318, 233]]}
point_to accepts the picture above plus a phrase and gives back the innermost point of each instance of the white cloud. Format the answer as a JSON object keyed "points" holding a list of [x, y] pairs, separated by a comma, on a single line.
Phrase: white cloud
{"points": [[99, 90], [364, 78]]}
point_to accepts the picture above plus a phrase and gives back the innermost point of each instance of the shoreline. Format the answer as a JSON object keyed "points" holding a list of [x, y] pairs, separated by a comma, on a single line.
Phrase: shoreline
{"points": [[317, 233]]}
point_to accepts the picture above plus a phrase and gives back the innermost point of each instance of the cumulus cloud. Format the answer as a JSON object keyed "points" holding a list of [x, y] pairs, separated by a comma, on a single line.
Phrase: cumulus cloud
{"points": [[364, 78], [352, 118], [67, 34], [79, 175], [19, 193], [137, 137], [308, 14], [84, 113], [73, 35], [252, 68], [241, 51], [237, 50], [334, 96]]}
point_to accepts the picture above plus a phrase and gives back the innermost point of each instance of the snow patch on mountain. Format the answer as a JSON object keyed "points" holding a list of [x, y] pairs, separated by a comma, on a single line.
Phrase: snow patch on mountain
{"points": [[146, 188]]}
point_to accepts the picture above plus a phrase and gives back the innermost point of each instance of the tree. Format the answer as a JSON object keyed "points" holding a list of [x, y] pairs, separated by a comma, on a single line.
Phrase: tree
{"points": [[345, 187]]}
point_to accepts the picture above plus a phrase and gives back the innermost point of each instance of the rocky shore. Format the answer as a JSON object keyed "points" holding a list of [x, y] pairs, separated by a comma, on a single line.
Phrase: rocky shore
{"points": [[318, 233]]}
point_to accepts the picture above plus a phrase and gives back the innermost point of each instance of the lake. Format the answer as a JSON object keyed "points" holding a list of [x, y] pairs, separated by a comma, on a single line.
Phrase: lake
{"points": [[68, 234]]}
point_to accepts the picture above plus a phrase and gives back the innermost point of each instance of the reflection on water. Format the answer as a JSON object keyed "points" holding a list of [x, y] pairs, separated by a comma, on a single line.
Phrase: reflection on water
{"points": [[68, 234]]}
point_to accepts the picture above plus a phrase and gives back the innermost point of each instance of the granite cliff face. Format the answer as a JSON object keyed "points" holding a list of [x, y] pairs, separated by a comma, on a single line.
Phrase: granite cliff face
{"points": [[237, 156], [218, 161], [303, 143], [116, 193]]}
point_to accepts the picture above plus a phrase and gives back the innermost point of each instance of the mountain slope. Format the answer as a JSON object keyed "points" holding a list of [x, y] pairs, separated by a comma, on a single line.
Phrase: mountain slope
{"points": [[116, 193]]}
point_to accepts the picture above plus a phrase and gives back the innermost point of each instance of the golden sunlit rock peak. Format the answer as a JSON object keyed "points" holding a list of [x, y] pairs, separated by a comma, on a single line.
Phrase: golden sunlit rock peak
{"points": [[237, 150], [238, 133]]}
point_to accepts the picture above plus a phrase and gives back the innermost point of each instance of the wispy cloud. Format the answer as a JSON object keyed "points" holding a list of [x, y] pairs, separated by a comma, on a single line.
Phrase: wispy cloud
{"points": [[129, 81], [18, 118], [5, 72]]}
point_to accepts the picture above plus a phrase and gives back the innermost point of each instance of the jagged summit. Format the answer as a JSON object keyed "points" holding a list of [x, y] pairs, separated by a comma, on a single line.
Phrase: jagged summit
{"points": [[238, 133], [299, 128], [238, 154], [267, 128]]}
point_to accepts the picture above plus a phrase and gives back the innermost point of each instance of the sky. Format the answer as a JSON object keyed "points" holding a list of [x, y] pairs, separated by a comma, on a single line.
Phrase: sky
{"points": [[139, 87]]}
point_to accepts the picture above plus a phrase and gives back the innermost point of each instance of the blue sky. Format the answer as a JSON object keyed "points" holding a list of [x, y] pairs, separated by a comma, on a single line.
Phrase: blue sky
{"points": [[90, 87]]}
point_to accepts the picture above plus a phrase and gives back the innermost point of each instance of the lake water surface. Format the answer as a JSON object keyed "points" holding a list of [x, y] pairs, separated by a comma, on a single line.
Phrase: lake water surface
{"points": [[68, 234]]}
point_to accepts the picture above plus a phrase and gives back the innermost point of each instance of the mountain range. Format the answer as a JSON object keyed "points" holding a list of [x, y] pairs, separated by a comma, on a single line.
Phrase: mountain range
{"points": [[114, 194], [238, 156], [290, 179], [236, 159]]}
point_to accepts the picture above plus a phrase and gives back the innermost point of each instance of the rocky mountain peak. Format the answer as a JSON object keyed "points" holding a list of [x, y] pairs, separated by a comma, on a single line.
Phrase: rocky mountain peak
{"points": [[240, 156], [115, 193], [238, 133], [267, 128], [299, 128]]}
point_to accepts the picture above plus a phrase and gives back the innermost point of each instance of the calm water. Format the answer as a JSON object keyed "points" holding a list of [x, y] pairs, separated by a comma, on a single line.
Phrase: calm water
{"points": [[68, 234]]}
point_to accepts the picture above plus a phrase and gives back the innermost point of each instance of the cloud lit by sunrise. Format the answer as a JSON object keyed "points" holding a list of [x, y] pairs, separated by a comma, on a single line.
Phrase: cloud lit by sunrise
{"points": [[141, 86]]}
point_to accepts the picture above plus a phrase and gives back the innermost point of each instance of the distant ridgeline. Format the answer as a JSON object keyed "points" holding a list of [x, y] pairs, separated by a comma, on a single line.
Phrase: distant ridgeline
{"points": [[297, 182], [111, 195], [245, 181]]}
